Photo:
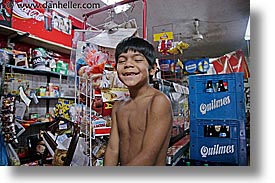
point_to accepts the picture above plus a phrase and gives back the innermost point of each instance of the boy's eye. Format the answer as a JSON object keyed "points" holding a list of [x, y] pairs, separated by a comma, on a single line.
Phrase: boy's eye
{"points": [[138, 59], [121, 61]]}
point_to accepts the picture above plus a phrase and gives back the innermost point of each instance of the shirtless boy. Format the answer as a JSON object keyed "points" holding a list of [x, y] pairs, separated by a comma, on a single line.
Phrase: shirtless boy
{"points": [[141, 125]]}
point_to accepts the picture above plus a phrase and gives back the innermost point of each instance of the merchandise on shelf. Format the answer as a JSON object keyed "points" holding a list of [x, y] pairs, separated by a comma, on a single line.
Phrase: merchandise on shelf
{"points": [[196, 66], [8, 119], [171, 69], [39, 59], [5, 55], [29, 64], [99, 146], [62, 108], [20, 58], [177, 47]]}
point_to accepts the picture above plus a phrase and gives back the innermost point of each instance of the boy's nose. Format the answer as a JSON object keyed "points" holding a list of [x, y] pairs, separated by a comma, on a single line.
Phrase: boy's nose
{"points": [[128, 64]]}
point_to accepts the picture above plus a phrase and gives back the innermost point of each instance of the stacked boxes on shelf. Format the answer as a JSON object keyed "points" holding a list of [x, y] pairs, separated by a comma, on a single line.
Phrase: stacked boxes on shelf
{"points": [[217, 118]]}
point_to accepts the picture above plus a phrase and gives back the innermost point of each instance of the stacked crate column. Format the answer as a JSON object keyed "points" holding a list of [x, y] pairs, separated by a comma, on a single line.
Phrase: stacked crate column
{"points": [[211, 112]]}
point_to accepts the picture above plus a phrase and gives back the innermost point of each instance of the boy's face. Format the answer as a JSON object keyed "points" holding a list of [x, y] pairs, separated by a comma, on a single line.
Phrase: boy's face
{"points": [[132, 68]]}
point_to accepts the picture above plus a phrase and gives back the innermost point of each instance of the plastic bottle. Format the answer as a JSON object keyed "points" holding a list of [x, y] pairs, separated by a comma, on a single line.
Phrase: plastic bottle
{"points": [[220, 86], [206, 131], [212, 131], [209, 87]]}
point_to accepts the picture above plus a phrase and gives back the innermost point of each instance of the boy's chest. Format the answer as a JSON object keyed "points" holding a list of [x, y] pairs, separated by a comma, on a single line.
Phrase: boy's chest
{"points": [[132, 117]]}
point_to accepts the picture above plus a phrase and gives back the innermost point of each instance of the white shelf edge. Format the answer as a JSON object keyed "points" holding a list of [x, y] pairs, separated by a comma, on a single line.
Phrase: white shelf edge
{"points": [[50, 43]]}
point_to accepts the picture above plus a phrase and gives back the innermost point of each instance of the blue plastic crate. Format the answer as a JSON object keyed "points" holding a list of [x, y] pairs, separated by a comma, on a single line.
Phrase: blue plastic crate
{"points": [[231, 149], [237, 128], [227, 105]]}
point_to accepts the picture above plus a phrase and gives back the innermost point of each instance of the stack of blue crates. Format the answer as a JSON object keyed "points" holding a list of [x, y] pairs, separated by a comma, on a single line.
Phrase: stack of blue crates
{"points": [[217, 109]]}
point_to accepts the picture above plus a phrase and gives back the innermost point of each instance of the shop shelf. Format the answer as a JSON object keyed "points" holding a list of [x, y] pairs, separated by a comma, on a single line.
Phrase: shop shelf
{"points": [[54, 98], [24, 70], [11, 32], [176, 151]]}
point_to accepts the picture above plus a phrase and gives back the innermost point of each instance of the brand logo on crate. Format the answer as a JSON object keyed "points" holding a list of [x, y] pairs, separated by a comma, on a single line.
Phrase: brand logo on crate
{"points": [[214, 104], [217, 149]]}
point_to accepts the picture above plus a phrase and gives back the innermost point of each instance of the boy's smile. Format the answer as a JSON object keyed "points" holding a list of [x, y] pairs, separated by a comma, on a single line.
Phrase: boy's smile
{"points": [[130, 74]]}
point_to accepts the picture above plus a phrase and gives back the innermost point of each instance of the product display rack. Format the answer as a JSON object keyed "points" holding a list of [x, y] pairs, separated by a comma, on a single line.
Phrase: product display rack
{"points": [[48, 74], [179, 142], [46, 103], [96, 137], [173, 84]]}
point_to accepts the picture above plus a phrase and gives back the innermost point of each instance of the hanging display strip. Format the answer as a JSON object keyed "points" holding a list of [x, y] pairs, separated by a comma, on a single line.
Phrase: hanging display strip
{"points": [[8, 119], [101, 131]]}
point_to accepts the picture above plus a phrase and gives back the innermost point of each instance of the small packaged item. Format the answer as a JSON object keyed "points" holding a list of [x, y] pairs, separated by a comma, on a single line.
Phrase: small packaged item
{"points": [[20, 58]]}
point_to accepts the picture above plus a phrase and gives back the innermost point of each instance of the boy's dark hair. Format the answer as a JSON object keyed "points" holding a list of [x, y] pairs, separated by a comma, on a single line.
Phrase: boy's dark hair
{"points": [[137, 44]]}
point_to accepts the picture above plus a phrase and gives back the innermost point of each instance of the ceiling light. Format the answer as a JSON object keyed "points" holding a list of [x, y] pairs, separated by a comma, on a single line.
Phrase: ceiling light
{"points": [[118, 9], [197, 37]]}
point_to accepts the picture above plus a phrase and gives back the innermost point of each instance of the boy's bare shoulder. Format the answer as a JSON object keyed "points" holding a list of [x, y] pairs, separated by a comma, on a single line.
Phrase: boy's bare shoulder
{"points": [[160, 108], [161, 96], [160, 99]]}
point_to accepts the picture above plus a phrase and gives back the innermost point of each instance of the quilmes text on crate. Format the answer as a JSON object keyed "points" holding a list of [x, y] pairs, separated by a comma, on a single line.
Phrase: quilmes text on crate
{"points": [[214, 104], [217, 149]]}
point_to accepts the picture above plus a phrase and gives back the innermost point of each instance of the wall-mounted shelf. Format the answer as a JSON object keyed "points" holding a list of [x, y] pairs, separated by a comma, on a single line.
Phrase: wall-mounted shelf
{"points": [[24, 70], [31, 39], [47, 97]]}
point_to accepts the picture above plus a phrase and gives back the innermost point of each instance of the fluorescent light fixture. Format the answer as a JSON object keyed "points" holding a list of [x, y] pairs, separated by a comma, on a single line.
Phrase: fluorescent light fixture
{"points": [[118, 9], [247, 32]]}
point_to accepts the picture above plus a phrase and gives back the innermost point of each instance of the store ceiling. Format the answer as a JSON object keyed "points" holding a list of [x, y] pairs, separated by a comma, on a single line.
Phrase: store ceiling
{"points": [[222, 22]]}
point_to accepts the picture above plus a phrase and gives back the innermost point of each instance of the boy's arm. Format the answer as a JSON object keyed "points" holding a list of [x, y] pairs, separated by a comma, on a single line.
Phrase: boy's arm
{"points": [[159, 123], [112, 151]]}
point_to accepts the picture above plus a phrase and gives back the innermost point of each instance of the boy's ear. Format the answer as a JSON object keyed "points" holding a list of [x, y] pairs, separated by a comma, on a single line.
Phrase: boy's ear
{"points": [[151, 70]]}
